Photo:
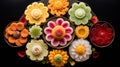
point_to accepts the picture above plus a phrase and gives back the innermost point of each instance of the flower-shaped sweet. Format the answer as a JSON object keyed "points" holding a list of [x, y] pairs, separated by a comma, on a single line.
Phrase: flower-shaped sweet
{"points": [[58, 7], [16, 34], [36, 13], [36, 50], [35, 31], [80, 50], [82, 31], [80, 13], [58, 32], [58, 58]]}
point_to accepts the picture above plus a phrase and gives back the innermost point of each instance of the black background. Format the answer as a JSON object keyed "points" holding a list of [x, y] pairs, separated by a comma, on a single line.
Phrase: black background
{"points": [[106, 10]]}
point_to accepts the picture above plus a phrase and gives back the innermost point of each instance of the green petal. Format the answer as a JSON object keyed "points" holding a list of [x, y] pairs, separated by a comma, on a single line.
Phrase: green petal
{"points": [[71, 11], [85, 21], [88, 9], [78, 22], [82, 5], [72, 18], [88, 16], [75, 6]]}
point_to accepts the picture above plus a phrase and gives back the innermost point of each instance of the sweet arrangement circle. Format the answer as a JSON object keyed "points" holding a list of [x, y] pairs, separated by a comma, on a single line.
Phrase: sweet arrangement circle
{"points": [[59, 32]]}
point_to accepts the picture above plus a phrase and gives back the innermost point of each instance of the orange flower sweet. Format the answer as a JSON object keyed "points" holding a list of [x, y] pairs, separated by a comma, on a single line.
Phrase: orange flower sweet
{"points": [[16, 34], [58, 58], [58, 7]]}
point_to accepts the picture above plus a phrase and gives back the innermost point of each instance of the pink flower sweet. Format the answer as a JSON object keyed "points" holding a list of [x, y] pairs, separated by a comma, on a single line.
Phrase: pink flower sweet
{"points": [[58, 32]]}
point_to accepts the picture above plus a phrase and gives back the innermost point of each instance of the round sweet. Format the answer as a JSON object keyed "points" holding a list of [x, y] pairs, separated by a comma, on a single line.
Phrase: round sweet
{"points": [[36, 50], [58, 4], [82, 31], [58, 58], [80, 49], [58, 32], [36, 13], [35, 31], [80, 13]]}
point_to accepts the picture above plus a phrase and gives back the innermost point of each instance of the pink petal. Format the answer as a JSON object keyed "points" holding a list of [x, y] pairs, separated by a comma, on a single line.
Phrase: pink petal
{"points": [[23, 20], [54, 42], [59, 21], [63, 42], [51, 24], [65, 24], [69, 30], [48, 30], [21, 53], [68, 37], [49, 37]]}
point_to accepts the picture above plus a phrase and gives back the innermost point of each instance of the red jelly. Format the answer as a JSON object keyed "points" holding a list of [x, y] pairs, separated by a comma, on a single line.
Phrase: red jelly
{"points": [[102, 34]]}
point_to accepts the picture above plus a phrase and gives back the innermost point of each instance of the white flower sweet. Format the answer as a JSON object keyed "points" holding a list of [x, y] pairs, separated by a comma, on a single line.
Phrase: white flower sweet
{"points": [[80, 50]]}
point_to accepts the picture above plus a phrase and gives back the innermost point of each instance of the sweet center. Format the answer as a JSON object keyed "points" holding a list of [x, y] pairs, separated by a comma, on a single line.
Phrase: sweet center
{"points": [[80, 13], [58, 32], [58, 58], [82, 31], [36, 50], [58, 4], [36, 13], [16, 34], [80, 49]]}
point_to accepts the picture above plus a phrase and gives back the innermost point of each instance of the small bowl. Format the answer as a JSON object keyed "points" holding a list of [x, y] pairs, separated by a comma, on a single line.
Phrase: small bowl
{"points": [[54, 19], [100, 36], [6, 40]]}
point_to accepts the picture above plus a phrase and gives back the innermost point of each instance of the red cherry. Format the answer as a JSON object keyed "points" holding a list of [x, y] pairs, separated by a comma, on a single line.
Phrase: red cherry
{"points": [[94, 19]]}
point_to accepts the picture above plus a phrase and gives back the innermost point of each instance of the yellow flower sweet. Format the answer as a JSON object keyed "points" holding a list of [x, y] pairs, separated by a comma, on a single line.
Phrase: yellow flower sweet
{"points": [[36, 50], [58, 58], [58, 7], [82, 31], [36, 13]]}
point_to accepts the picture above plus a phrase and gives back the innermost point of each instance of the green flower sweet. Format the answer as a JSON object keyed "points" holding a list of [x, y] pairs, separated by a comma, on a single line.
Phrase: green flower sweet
{"points": [[80, 13], [35, 31]]}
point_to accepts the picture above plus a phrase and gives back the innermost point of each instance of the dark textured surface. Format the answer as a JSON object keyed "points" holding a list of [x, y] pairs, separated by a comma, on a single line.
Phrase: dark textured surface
{"points": [[106, 10]]}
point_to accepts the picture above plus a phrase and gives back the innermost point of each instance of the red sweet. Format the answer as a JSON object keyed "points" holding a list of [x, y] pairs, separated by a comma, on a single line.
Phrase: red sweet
{"points": [[94, 19], [101, 34]]}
